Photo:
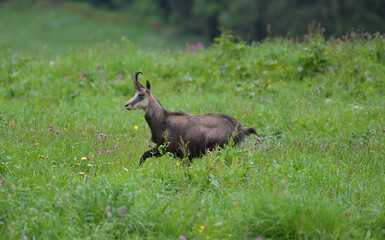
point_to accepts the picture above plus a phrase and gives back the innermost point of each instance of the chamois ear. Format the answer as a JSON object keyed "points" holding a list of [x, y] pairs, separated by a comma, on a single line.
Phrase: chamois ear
{"points": [[148, 85]]}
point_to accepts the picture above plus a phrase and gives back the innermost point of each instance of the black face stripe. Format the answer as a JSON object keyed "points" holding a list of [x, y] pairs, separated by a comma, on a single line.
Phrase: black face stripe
{"points": [[136, 100]]}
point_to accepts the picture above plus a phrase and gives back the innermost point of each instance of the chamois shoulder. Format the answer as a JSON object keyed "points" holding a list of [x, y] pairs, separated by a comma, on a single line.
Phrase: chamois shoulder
{"points": [[180, 113]]}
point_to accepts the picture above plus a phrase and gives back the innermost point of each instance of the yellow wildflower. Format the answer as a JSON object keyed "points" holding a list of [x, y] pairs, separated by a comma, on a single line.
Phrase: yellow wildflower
{"points": [[136, 127]]}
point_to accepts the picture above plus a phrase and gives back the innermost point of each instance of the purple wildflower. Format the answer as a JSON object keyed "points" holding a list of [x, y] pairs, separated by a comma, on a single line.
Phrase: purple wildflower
{"points": [[122, 210], [65, 78], [108, 211], [80, 74], [99, 152], [57, 132], [98, 68], [100, 135], [116, 147], [2, 181], [259, 139], [258, 238], [119, 76], [195, 47], [181, 237], [85, 72], [9, 196]]}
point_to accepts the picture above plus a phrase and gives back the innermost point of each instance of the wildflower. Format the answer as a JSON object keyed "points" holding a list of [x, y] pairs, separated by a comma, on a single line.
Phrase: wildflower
{"points": [[119, 76], [53, 166], [258, 238], [136, 127], [116, 147], [202, 227], [89, 165], [100, 135], [108, 211], [181, 237], [84, 158], [77, 164], [177, 164], [98, 68], [9, 196], [82, 173], [2, 181], [65, 78], [259, 139], [122, 210], [57, 132]]}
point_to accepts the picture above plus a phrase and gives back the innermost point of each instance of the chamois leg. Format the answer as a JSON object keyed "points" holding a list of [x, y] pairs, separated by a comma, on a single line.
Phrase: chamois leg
{"points": [[154, 152]]}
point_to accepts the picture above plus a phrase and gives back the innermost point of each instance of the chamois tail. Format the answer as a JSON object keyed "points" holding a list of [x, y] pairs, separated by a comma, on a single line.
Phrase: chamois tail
{"points": [[251, 131]]}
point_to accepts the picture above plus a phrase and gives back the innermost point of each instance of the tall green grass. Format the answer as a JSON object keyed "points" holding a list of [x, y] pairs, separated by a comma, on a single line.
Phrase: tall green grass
{"points": [[318, 173]]}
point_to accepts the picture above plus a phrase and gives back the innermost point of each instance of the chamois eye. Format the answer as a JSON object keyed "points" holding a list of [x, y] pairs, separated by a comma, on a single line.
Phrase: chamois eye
{"points": [[141, 95]]}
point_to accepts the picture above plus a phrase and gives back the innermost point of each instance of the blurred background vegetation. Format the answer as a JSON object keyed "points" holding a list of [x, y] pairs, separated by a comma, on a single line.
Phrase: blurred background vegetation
{"points": [[175, 22]]}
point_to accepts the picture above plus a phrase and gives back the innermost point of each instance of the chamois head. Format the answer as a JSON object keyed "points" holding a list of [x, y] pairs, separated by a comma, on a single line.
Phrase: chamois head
{"points": [[142, 96]]}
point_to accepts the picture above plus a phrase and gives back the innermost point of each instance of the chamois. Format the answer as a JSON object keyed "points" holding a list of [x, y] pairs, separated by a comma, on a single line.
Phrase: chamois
{"points": [[180, 133]]}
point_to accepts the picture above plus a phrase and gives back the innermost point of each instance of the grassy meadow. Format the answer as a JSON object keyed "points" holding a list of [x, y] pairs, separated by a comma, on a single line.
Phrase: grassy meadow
{"points": [[69, 151], [54, 29]]}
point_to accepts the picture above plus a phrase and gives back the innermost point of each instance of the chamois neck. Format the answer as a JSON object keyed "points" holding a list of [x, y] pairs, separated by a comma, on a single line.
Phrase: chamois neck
{"points": [[155, 115], [154, 109]]}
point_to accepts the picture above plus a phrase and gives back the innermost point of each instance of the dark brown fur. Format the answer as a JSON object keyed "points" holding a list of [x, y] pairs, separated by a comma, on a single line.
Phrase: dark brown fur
{"points": [[182, 134]]}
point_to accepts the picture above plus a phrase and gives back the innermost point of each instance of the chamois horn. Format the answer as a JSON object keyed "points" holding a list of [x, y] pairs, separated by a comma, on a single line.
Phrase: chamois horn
{"points": [[137, 84]]}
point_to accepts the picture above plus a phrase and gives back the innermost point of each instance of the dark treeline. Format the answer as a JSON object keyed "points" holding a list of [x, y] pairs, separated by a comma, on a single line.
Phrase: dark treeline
{"points": [[256, 19]]}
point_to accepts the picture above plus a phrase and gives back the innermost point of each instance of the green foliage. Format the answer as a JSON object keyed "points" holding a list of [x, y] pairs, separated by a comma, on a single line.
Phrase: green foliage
{"points": [[317, 172], [313, 59]]}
